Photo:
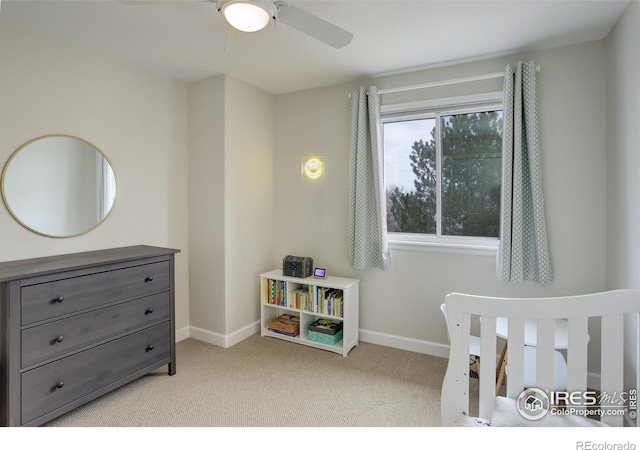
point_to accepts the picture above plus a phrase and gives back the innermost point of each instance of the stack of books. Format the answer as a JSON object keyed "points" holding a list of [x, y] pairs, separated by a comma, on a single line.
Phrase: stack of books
{"points": [[275, 292], [326, 331], [329, 301], [301, 298], [286, 324]]}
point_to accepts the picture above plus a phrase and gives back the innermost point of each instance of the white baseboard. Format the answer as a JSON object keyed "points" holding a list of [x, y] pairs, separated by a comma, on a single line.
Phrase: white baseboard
{"points": [[403, 343], [243, 333], [182, 334], [207, 336], [221, 340]]}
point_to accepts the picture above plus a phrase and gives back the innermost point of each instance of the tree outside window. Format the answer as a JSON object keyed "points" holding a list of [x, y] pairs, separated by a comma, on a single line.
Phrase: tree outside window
{"points": [[443, 172]]}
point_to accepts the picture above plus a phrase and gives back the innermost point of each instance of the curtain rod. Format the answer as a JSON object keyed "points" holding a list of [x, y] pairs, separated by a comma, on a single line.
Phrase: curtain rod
{"points": [[446, 82]]}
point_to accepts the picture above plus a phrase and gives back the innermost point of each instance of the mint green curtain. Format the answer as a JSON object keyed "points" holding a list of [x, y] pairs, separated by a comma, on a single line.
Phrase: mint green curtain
{"points": [[523, 253], [367, 209]]}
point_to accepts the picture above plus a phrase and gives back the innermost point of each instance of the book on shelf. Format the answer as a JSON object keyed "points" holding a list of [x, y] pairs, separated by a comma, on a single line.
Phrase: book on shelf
{"points": [[328, 301], [326, 326], [301, 299], [275, 292], [273, 330], [286, 323]]}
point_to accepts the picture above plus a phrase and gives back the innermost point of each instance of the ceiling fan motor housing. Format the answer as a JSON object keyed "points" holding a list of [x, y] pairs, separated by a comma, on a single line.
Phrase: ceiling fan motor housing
{"points": [[247, 15]]}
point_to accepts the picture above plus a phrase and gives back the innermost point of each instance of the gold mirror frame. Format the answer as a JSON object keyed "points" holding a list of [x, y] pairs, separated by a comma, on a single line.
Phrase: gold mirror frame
{"points": [[82, 145]]}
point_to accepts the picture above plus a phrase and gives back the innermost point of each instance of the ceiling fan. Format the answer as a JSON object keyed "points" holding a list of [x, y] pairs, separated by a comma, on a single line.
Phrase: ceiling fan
{"points": [[254, 15]]}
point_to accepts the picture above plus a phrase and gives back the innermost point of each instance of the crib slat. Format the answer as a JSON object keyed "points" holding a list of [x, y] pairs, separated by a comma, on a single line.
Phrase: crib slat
{"points": [[454, 399], [611, 384], [487, 365], [465, 328], [577, 354], [515, 358], [545, 362]]}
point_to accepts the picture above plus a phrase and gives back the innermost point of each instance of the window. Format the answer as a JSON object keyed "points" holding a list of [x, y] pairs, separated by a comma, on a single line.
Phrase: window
{"points": [[442, 168]]}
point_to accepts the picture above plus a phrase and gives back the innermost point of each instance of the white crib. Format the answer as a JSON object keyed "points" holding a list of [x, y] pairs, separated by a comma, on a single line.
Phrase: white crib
{"points": [[616, 311]]}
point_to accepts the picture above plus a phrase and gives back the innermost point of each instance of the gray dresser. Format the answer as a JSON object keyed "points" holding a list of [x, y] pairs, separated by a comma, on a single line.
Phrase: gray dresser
{"points": [[76, 326]]}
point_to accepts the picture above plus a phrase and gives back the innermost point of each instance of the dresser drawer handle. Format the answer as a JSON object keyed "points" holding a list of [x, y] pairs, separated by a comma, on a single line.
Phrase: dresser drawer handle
{"points": [[149, 348], [60, 338], [60, 385], [149, 311], [57, 300], [148, 279]]}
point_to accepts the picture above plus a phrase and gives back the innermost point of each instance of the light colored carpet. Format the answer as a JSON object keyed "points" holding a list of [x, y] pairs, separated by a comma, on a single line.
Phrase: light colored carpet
{"points": [[266, 382]]}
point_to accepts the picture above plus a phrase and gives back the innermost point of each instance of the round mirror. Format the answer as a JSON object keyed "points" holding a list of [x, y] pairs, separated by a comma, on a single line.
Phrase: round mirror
{"points": [[59, 186]]}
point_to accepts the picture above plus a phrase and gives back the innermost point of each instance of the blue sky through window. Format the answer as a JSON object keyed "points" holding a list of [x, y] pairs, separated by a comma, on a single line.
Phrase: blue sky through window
{"points": [[398, 139]]}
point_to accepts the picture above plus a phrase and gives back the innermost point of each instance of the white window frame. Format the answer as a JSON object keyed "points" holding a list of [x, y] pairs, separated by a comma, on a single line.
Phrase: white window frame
{"points": [[435, 109]]}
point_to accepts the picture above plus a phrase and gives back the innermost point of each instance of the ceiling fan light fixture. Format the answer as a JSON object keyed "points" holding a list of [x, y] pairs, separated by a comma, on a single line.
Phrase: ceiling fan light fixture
{"points": [[245, 15]]}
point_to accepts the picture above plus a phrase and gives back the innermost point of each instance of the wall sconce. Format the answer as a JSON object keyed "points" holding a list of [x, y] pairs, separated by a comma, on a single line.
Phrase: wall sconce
{"points": [[313, 168]]}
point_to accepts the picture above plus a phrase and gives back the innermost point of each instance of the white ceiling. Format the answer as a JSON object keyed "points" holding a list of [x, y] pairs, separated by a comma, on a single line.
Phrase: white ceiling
{"points": [[189, 40]]}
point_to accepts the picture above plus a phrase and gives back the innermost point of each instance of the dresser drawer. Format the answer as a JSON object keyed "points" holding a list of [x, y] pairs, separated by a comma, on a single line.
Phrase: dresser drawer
{"points": [[58, 338], [56, 298], [56, 384]]}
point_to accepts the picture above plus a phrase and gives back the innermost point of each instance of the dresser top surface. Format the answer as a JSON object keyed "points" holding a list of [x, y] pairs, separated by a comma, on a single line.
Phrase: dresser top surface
{"points": [[14, 270]]}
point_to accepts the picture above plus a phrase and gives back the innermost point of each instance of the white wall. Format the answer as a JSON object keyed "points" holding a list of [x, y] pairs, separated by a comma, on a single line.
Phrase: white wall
{"points": [[401, 306], [248, 199], [230, 206], [138, 119], [623, 151], [623, 166], [206, 205]]}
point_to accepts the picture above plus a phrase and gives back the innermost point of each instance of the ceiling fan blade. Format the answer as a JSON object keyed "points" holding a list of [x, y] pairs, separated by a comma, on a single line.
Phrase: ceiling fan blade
{"points": [[140, 2], [312, 25]]}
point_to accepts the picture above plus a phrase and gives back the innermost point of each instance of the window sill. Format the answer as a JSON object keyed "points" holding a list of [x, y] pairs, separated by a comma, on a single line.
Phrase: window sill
{"points": [[465, 246]]}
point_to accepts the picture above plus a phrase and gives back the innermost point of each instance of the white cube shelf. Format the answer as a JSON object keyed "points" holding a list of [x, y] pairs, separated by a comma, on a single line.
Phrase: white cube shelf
{"points": [[282, 300]]}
